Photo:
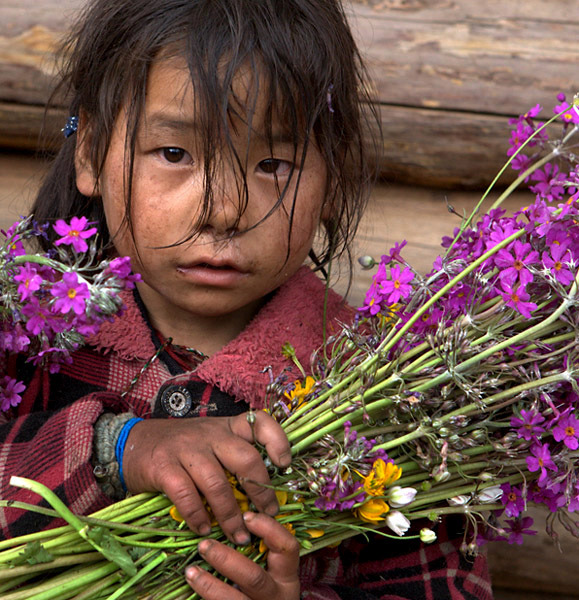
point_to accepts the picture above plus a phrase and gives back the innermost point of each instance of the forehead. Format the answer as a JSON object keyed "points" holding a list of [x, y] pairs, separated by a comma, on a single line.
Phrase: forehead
{"points": [[174, 97]]}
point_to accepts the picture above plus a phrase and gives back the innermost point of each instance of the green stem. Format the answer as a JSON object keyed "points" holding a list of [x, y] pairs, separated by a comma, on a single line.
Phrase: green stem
{"points": [[60, 587], [57, 563], [152, 564]]}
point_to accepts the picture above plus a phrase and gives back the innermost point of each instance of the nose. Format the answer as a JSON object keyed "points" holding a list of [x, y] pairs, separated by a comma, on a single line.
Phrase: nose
{"points": [[228, 201]]}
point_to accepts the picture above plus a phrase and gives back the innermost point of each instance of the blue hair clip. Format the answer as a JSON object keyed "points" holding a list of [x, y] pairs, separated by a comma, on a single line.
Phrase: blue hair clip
{"points": [[70, 127]]}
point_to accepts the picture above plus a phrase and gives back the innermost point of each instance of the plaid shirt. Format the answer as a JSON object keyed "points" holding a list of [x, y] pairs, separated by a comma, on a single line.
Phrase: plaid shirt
{"points": [[49, 436]]}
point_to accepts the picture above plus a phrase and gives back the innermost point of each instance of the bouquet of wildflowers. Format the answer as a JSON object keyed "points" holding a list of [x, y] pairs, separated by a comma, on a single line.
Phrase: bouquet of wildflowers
{"points": [[50, 303], [455, 392]]}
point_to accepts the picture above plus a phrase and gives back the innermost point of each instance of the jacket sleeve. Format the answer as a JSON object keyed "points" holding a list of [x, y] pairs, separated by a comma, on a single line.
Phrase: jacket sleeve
{"points": [[380, 568], [54, 448]]}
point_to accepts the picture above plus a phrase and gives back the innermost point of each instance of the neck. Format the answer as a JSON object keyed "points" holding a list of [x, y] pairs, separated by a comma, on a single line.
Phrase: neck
{"points": [[207, 334]]}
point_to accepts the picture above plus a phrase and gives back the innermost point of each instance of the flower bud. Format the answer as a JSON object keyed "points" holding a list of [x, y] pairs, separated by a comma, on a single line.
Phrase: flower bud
{"points": [[427, 535], [397, 522], [366, 262], [490, 494], [441, 476], [399, 496], [458, 500]]}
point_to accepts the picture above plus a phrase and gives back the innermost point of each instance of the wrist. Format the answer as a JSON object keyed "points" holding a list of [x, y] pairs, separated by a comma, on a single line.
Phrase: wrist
{"points": [[120, 447], [106, 467]]}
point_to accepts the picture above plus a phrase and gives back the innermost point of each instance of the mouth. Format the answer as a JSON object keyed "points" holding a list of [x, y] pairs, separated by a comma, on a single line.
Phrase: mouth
{"points": [[212, 274]]}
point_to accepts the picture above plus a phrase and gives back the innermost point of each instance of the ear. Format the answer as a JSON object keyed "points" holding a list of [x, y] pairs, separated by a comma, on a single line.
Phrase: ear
{"points": [[86, 180]]}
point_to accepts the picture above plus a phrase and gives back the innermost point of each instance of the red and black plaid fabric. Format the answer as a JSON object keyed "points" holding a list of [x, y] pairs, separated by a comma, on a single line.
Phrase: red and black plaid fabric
{"points": [[49, 436]]}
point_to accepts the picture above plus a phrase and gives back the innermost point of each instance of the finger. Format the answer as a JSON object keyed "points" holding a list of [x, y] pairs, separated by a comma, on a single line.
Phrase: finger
{"points": [[181, 490], [249, 577], [283, 549], [246, 463], [210, 587], [211, 481], [267, 432]]}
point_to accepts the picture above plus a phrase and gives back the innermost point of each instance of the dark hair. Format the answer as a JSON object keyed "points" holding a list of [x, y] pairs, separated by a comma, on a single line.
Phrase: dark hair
{"points": [[302, 52]]}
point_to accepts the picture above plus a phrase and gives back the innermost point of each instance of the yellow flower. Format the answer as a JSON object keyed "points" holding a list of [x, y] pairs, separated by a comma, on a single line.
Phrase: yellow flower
{"points": [[281, 497], [382, 475], [300, 391], [315, 533], [372, 510], [175, 514]]}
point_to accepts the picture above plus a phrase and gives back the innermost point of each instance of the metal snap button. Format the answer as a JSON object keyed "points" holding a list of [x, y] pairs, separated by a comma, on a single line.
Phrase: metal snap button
{"points": [[176, 400]]}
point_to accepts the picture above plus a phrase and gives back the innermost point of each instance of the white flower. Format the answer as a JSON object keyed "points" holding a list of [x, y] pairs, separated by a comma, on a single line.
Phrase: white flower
{"points": [[399, 496], [458, 500], [427, 535], [397, 522], [490, 494]]}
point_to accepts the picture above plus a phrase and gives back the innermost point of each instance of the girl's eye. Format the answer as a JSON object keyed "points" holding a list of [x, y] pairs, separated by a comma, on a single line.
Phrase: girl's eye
{"points": [[275, 166], [173, 155]]}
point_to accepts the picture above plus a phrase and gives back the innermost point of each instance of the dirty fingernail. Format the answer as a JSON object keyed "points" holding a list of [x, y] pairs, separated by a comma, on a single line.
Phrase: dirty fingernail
{"points": [[241, 538]]}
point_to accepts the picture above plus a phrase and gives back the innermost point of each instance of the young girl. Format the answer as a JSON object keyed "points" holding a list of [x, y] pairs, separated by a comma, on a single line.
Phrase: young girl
{"points": [[216, 143]]}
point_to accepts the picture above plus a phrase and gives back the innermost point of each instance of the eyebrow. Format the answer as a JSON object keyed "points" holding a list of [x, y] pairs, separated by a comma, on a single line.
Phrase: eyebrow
{"points": [[161, 121], [174, 124]]}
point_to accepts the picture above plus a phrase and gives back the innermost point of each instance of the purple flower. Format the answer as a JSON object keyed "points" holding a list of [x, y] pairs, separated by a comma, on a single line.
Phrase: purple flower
{"points": [[512, 500], [528, 425], [516, 528], [14, 340], [560, 257], [398, 285], [550, 182], [521, 163], [570, 116], [121, 268], [36, 317], [10, 391], [553, 499], [574, 501], [541, 460], [522, 132], [70, 294], [567, 431], [340, 497], [30, 281], [515, 267], [394, 254], [517, 298], [372, 301], [74, 234]]}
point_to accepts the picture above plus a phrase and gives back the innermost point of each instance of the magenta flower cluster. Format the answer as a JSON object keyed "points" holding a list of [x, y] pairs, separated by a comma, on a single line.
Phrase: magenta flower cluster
{"points": [[517, 269], [50, 303]]}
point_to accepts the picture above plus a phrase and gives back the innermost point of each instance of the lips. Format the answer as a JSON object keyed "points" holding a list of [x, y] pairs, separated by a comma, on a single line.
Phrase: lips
{"points": [[213, 273]]}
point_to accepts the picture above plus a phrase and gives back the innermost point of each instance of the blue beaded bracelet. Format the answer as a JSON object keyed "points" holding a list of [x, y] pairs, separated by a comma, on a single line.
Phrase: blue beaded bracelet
{"points": [[120, 446]]}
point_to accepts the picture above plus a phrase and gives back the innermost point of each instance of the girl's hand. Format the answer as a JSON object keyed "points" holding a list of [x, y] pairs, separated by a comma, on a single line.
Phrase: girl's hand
{"points": [[279, 582], [187, 458]]}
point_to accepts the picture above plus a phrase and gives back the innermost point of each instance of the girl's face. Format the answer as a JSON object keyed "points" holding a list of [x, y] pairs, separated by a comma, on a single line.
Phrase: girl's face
{"points": [[217, 277]]}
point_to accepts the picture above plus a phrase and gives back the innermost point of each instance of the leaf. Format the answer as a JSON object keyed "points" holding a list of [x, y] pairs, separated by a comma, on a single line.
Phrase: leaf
{"points": [[110, 548], [34, 553]]}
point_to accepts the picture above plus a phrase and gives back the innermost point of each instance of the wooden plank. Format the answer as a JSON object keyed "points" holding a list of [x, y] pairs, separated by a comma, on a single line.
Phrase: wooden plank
{"points": [[29, 127], [558, 11]]}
